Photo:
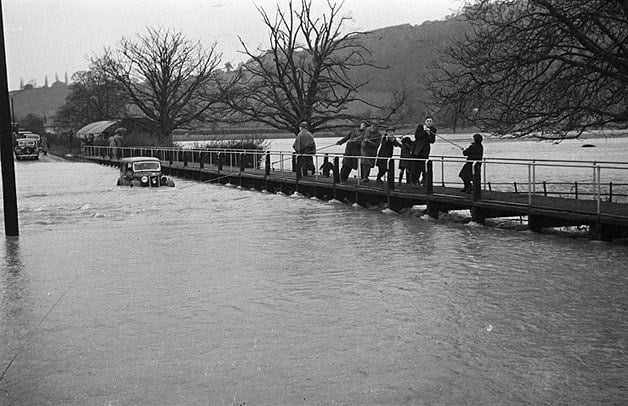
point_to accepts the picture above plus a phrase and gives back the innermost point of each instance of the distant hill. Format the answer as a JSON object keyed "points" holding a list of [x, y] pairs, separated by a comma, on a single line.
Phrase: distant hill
{"points": [[406, 51], [41, 101]]}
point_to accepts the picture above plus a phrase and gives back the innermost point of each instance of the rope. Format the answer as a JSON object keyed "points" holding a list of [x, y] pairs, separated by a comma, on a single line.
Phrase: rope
{"points": [[31, 334]]}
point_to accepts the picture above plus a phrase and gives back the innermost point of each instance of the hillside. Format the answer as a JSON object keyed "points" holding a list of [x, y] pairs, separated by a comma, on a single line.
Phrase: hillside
{"points": [[42, 101]]}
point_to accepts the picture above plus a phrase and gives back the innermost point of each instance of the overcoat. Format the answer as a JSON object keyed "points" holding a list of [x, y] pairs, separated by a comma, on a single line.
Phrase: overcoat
{"points": [[474, 152]]}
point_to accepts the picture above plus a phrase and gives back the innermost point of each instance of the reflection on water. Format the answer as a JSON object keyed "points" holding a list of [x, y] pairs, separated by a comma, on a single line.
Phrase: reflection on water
{"points": [[210, 294]]}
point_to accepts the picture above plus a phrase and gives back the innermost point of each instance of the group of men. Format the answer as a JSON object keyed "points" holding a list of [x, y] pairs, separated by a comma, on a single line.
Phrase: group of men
{"points": [[376, 150], [366, 147]]}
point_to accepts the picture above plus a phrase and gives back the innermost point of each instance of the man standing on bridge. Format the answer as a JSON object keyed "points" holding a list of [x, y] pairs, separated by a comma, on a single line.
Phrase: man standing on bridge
{"points": [[424, 136], [305, 146], [352, 150]]}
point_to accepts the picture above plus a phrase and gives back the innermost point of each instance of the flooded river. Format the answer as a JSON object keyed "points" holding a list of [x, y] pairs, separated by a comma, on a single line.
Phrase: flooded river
{"points": [[206, 294]]}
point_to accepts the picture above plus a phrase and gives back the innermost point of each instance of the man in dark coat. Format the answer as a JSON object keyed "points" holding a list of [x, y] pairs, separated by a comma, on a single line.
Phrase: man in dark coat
{"points": [[475, 152], [424, 136], [389, 142], [352, 150]]}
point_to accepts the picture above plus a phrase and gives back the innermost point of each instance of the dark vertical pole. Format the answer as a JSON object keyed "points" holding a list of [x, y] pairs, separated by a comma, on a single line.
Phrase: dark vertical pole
{"points": [[477, 181], [391, 175], [267, 165], [9, 194], [336, 175], [429, 183], [336, 170], [297, 167]]}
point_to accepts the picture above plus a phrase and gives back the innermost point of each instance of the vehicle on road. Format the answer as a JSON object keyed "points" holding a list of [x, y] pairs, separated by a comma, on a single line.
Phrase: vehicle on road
{"points": [[142, 171], [26, 148]]}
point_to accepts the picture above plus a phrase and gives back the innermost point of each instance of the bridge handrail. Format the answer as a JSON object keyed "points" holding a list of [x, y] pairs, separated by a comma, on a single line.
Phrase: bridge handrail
{"points": [[590, 184]]}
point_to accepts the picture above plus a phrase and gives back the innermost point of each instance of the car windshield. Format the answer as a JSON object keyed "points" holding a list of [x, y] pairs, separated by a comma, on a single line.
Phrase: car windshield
{"points": [[146, 166], [25, 143]]}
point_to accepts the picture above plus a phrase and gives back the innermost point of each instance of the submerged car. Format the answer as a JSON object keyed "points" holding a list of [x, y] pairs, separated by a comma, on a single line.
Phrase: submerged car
{"points": [[142, 171], [26, 148]]}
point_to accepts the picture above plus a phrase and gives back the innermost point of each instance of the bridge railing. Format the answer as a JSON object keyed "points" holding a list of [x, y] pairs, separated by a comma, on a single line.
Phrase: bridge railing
{"points": [[600, 181]]}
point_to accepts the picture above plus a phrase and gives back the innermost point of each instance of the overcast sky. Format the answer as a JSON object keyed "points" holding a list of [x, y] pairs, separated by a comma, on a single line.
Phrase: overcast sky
{"points": [[52, 37]]}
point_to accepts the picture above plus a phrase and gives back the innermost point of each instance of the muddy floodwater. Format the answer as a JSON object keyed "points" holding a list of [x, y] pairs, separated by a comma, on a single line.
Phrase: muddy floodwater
{"points": [[213, 295]]}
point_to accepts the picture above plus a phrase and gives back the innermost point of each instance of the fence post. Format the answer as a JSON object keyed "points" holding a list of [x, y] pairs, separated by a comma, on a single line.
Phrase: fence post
{"points": [[442, 171], [267, 165], [477, 181], [390, 178], [242, 161], [220, 159], [297, 166], [336, 170], [598, 188], [429, 182], [529, 184]]}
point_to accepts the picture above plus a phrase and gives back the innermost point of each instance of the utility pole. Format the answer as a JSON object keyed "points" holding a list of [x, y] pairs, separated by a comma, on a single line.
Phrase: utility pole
{"points": [[9, 194]]}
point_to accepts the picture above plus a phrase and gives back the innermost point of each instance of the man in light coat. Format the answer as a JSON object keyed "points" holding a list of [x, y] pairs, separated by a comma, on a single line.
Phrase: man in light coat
{"points": [[305, 146]]}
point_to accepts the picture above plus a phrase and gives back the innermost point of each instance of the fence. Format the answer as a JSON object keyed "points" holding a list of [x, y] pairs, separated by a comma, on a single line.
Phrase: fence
{"points": [[599, 181]]}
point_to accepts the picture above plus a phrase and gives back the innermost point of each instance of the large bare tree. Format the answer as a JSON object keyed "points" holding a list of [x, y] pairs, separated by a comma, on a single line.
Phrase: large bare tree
{"points": [[166, 76], [540, 66], [303, 75]]}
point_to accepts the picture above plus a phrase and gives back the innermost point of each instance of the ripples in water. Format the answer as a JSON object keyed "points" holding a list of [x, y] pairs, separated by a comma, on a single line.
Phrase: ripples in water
{"points": [[211, 294]]}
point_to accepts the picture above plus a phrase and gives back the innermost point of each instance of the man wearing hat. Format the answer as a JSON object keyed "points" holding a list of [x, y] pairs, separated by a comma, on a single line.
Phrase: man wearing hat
{"points": [[305, 146]]}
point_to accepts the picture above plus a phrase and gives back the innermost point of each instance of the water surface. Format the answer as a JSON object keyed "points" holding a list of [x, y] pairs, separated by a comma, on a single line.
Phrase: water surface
{"points": [[205, 294]]}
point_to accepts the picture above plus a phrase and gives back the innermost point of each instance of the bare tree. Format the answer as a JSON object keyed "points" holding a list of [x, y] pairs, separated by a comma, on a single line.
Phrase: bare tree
{"points": [[540, 65], [166, 76], [303, 76]]}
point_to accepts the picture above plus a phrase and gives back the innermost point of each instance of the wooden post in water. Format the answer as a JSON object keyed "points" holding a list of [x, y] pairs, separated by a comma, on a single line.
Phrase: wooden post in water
{"points": [[9, 195]]}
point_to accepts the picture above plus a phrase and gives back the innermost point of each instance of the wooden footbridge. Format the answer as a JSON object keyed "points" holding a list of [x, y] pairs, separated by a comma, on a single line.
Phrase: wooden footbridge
{"points": [[537, 190]]}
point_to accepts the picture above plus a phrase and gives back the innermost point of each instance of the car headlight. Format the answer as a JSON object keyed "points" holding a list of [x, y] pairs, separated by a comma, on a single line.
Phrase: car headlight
{"points": [[144, 179]]}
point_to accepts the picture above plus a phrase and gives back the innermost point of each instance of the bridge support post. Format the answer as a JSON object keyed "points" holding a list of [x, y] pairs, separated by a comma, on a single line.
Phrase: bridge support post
{"points": [[433, 209], [606, 232], [477, 215]]}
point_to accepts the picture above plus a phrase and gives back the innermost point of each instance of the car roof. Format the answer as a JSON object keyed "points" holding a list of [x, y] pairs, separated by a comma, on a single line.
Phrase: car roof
{"points": [[26, 139], [139, 159]]}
